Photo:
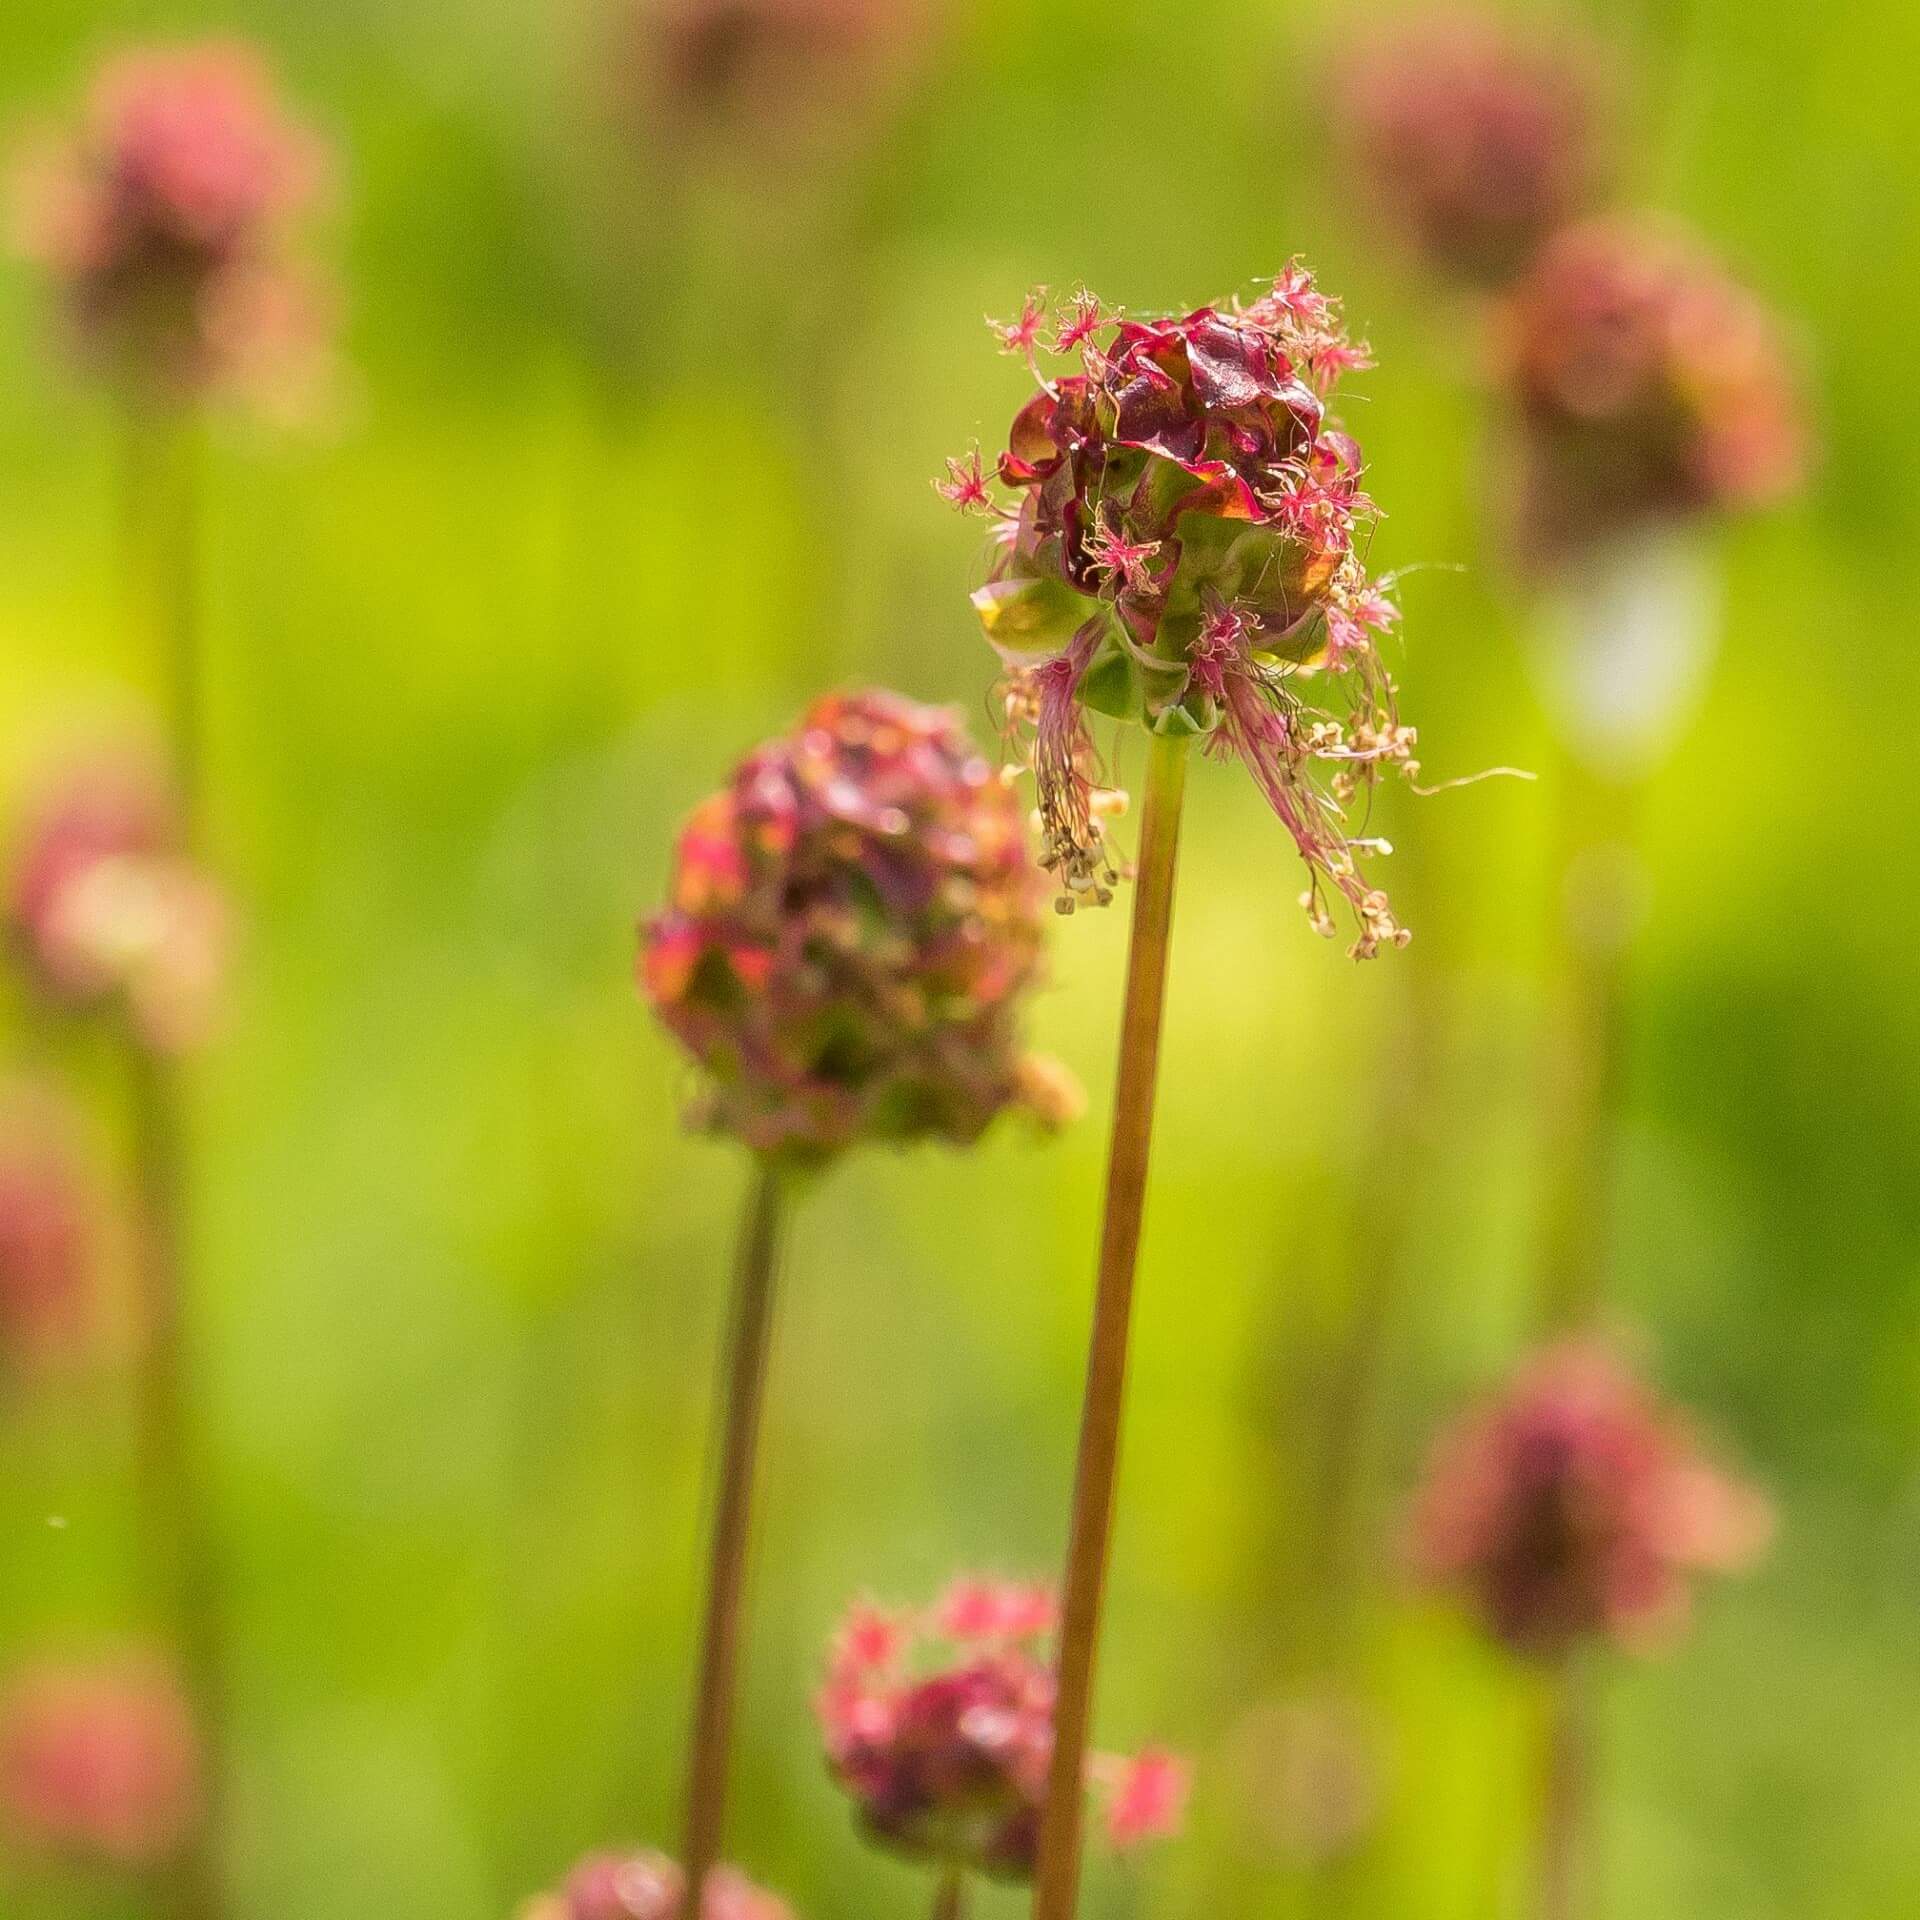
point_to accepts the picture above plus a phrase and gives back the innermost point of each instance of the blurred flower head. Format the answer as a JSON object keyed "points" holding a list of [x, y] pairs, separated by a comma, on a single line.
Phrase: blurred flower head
{"points": [[99, 1763], [648, 1886], [104, 911], [1576, 1508], [766, 73], [1648, 387], [1478, 137], [852, 922], [1183, 548], [48, 1238], [939, 1725], [167, 217]]}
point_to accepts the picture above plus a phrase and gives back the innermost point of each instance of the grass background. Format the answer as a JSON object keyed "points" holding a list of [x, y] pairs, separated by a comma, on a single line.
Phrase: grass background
{"points": [[475, 648]]}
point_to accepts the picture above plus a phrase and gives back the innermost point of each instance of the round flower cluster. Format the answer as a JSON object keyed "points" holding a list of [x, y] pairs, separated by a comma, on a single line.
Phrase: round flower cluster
{"points": [[1478, 140], [1576, 1508], [99, 1763], [766, 64], [1183, 550], [648, 1886], [852, 922], [47, 1246], [947, 1760], [1649, 386], [105, 912], [166, 220]]}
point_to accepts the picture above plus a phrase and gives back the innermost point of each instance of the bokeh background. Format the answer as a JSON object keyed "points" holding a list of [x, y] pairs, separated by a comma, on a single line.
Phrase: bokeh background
{"points": [[618, 474]]}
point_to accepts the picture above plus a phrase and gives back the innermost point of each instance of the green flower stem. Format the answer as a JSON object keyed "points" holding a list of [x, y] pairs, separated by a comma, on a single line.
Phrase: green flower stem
{"points": [[950, 1896], [160, 517], [1565, 1866], [1589, 1054], [160, 537], [1056, 1882], [749, 1340], [175, 1508]]}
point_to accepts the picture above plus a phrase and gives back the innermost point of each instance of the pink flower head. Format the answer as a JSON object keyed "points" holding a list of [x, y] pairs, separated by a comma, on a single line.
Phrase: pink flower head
{"points": [[99, 1762], [648, 1886], [1183, 546], [48, 1254], [1648, 386], [106, 912], [852, 923], [1478, 137], [167, 218], [939, 1725], [1575, 1507], [766, 71]]}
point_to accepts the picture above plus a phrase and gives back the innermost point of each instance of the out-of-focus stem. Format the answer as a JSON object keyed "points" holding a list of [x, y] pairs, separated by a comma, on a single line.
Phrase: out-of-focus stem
{"points": [[1595, 869], [177, 1523], [950, 1896], [1563, 1888], [749, 1340], [160, 550], [1056, 1882], [160, 536]]}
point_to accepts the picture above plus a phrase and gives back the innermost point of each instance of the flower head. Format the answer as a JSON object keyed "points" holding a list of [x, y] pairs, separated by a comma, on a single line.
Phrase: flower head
{"points": [[106, 912], [99, 1762], [1648, 386], [648, 1886], [1183, 547], [768, 70], [1477, 138], [47, 1233], [852, 922], [1575, 1507], [166, 219], [939, 1725]]}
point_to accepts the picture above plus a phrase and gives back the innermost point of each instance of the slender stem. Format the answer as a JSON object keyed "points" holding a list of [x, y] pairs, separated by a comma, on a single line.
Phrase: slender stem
{"points": [[744, 1390], [160, 534], [181, 1553], [1566, 1795], [1590, 1052], [1056, 1881], [950, 1896]]}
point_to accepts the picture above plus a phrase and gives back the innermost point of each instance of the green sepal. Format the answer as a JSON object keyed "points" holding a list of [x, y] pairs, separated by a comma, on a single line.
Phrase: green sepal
{"points": [[1029, 619], [1111, 685]]}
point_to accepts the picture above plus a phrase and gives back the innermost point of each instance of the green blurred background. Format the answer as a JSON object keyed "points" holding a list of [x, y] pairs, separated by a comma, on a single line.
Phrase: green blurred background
{"points": [[604, 500]]}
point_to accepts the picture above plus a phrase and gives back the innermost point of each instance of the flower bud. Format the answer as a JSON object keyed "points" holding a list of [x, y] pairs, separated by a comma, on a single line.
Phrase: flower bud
{"points": [[1478, 138], [48, 1303], [1576, 1508], [106, 913], [852, 922], [1648, 388], [945, 1752], [648, 1886], [1182, 549], [99, 1763], [770, 76], [166, 221]]}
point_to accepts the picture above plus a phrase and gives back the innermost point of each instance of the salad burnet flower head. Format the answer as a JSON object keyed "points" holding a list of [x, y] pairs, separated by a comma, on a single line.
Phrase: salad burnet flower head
{"points": [[1477, 137], [48, 1233], [167, 218], [1576, 1508], [1179, 532], [649, 1886], [938, 1724], [106, 912], [852, 923], [1648, 387], [99, 1762]]}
